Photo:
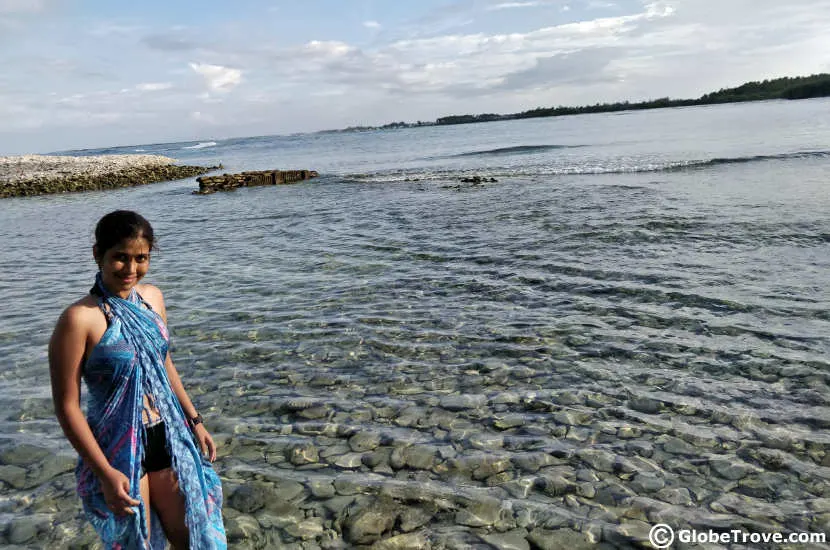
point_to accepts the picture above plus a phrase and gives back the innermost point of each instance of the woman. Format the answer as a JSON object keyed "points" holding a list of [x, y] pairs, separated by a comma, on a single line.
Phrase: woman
{"points": [[141, 476]]}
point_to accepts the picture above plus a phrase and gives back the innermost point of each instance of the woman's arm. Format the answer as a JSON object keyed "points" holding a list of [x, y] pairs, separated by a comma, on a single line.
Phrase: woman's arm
{"points": [[201, 433], [66, 351], [156, 299]]}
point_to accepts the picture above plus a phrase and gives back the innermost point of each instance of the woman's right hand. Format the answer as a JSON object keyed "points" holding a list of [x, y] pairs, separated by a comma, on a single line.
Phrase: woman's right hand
{"points": [[116, 489]]}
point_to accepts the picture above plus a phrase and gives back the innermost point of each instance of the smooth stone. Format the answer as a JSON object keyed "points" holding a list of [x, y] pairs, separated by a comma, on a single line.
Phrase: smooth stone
{"points": [[629, 432], [482, 513], [24, 529], [336, 505], [286, 490], [506, 398], [598, 459], [676, 495], [613, 494], [520, 488], [533, 462], [347, 486], [642, 448], [250, 497], [733, 470], [559, 539], [647, 483], [364, 441], [307, 529], [406, 541], [571, 418], [511, 540], [554, 484], [321, 488], [645, 405], [676, 446], [463, 402], [55, 465], [419, 457], [349, 461], [377, 457], [586, 490], [486, 466], [507, 421], [367, 525], [412, 518], [24, 454], [585, 474], [631, 533], [301, 454], [334, 451], [271, 521], [242, 527], [486, 441], [13, 475]]}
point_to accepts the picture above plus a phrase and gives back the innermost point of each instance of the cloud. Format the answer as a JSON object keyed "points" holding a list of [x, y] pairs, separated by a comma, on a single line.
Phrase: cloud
{"points": [[23, 6], [584, 67], [153, 86], [512, 5], [217, 77], [168, 43], [508, 60]]}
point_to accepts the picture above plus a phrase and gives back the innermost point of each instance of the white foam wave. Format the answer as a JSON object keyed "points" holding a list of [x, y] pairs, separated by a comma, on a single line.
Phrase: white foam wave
{"points": [[201, 145]]}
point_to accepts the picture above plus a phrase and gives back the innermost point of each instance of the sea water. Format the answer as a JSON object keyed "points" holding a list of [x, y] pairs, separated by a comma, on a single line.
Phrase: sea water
{"points": [[629, 327]]}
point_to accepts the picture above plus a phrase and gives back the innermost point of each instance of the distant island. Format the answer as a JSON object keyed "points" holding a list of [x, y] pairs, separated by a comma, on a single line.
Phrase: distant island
{"points": [[801, 87]]}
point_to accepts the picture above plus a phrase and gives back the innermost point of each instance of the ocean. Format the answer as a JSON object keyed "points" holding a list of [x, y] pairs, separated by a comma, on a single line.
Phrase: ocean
{"points": [[629, 327]]}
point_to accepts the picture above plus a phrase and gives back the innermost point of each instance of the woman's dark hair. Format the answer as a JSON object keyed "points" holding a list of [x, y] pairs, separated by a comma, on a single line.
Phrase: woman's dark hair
{"points": [[119, 226]]}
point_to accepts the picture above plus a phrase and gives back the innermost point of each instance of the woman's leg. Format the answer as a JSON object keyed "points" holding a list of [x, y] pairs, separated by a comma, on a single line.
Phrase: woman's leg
{"points": [[168, 503], [144, 489]]}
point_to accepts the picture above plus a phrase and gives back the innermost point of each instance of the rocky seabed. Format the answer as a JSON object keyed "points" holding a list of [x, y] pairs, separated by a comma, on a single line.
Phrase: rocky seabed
{"points": [[414, 467]]}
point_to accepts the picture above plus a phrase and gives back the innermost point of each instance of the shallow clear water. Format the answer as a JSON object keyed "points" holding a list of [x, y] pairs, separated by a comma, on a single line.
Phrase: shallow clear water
{"points": [[629, 327]]}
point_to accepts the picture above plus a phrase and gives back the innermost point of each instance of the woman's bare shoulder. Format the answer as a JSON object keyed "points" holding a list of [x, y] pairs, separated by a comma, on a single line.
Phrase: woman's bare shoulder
{"points": [[152, 294], [81, 313]]}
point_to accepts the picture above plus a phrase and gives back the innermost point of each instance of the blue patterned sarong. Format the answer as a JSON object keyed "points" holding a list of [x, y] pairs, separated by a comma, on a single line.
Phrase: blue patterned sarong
{"points": [[126, 365]]}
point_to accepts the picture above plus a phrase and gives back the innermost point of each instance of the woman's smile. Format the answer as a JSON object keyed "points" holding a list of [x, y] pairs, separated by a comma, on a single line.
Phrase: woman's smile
{"points": [[122, 266]]}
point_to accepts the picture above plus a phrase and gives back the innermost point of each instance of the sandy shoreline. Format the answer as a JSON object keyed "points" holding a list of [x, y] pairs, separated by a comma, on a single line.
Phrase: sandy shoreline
{"points": [[27, 175]]}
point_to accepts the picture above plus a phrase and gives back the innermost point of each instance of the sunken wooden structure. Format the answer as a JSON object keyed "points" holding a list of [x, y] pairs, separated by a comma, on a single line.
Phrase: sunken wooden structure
{"points": [[229, 182]]}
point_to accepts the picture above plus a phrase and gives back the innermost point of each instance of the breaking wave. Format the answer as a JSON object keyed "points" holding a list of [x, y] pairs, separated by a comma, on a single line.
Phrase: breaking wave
{"points": [[609, 166], [201, 145]]}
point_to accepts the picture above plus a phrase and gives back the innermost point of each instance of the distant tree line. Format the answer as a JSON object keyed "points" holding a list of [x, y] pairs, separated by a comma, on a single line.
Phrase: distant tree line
{"points": [[801, 87]]}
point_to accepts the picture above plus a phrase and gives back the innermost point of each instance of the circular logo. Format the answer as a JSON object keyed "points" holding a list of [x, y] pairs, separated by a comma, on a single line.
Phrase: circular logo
{"points": [[661, 536]]}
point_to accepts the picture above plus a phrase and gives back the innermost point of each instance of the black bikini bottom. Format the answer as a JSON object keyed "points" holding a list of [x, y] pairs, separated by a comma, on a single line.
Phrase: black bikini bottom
{"points": [[156, 457]]}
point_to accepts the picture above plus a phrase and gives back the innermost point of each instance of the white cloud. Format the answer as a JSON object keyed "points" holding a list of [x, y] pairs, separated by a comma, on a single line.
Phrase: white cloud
{"points": [[511, 5], [633, 50], [371, 24], [217, 77], [153, 86], [328, 48]]}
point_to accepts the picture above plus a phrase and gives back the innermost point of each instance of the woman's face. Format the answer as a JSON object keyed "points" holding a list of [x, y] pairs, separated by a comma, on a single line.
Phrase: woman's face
{"points": [[123, 265]]}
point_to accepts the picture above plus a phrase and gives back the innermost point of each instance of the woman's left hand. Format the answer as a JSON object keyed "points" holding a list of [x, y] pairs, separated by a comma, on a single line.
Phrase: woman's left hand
{"points": [[205, 442]]}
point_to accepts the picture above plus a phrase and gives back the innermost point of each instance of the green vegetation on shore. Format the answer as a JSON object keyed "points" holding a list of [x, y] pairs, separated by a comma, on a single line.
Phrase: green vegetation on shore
{"points": [[801, 87]]}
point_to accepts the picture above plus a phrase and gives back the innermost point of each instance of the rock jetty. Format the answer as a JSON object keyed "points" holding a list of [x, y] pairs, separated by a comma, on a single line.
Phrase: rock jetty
{"points": [[28, 175], [229, 182]]}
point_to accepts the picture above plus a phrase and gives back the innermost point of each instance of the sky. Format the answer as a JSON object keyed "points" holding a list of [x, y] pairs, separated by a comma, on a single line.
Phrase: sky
{"points": [[98, 73]]}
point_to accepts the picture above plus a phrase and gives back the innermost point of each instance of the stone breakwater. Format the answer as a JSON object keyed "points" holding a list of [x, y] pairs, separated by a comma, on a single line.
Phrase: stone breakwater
{"points": [[229, 182], [28, 175]]}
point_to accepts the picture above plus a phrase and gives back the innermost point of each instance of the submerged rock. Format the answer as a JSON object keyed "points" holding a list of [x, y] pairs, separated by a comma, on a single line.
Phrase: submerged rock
{"points": [[229, 182]]}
